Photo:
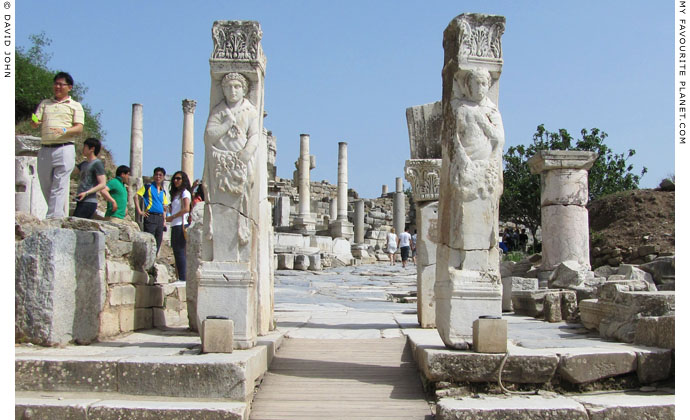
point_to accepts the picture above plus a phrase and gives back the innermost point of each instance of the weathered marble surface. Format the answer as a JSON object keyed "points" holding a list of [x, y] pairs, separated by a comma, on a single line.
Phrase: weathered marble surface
{"points": [[467, 271]]}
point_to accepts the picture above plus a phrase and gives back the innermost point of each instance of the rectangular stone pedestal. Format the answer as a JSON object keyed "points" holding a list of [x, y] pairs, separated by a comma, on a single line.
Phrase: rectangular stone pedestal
{"points": [[305, 224], [216, 336], [490, 335], [460, 299], [342, 229], [229, 290]]}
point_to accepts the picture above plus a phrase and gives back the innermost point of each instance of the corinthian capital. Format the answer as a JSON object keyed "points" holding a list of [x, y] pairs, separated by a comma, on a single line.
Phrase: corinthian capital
{"points": [[424, 175]]}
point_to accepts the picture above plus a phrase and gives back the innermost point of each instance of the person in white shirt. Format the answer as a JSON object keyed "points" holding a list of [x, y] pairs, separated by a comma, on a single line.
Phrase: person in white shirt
{"points": [[180, 192], [404, 241], [391, 245]]}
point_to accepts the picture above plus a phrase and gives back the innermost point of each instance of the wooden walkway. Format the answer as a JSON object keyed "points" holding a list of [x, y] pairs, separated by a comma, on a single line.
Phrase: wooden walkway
{"points": [[341, 379]]}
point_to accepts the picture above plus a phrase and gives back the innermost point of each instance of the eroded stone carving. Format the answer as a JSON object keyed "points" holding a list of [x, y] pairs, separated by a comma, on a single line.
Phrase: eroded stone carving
{"points": [[231, 139], [467, 268], [237, 41], [424, 176], [481, 36]]}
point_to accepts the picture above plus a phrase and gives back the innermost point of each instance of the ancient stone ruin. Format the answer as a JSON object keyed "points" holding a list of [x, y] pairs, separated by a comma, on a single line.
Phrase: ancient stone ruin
{"points": [[555, 324], [467, 272]]}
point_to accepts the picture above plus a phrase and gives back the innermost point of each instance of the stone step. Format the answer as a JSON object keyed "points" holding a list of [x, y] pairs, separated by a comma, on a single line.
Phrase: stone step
{"points": [[115, 406], [592, 361], [601, 406], [141, 370]]}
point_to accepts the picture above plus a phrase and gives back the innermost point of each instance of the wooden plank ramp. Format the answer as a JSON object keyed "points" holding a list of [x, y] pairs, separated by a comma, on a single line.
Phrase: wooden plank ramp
{"points": [[342, 379]]}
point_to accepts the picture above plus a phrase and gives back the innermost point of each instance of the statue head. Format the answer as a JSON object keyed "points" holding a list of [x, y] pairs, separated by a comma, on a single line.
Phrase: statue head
{"points": [[476, 84], [235, 87]]}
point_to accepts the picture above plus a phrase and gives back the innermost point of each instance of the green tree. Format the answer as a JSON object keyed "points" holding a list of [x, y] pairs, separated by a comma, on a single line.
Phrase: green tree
{"points": [[610, 173]]}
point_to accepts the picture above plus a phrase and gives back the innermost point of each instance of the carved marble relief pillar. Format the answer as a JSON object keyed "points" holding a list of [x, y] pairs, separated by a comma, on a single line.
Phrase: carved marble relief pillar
{"points": [[235, 272], [468, 283], [423, 172]]}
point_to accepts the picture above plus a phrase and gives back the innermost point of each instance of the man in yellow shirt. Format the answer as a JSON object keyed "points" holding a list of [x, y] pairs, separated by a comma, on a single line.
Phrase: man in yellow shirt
{"points": [[61, 119]]}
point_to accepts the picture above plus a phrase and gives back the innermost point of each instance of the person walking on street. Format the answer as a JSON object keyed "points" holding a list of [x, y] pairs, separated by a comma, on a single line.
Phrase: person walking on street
{"points": [[154, 207], [179, 210], [91, 180], [61, 119], [404, 242], [115, 193], [391, 245]]}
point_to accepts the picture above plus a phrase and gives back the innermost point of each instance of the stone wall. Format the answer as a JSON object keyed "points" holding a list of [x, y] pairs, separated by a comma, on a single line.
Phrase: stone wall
{"points": [[80, 280]]}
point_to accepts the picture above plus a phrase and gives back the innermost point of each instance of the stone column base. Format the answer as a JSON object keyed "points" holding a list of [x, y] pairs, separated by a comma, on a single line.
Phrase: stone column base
{"points": [[229, 290], [462, 297], [305, 225], [342, 229]]}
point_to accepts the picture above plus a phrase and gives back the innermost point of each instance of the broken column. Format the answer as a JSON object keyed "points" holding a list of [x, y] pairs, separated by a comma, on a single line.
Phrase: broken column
{"points": [[28, 197], [236, 236], [399, 207], [341, 227], [305, 222], [359, 221], [423, 172], [384, 190], [333, 208], [136, 155], [468, 283], [188, 106], [564, 196]]}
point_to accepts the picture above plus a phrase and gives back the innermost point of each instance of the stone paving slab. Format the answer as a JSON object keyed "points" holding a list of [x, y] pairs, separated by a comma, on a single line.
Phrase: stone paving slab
{"points": [[106, 406], [608, 406]]}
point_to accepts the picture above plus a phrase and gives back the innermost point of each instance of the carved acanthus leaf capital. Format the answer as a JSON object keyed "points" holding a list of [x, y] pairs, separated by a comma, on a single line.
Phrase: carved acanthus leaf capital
{"points": [[188, 106], [480, 36], [424, 175], [237, 40]]}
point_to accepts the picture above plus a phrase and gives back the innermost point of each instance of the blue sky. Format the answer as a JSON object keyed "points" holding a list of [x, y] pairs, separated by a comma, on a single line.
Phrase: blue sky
{"points": [[346, 71]]}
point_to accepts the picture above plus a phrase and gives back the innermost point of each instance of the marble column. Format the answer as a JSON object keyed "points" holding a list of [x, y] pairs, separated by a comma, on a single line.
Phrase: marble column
{"points": [[399, 207], [341, 227], [305, 222], [359, 221], [564, 196], [136, 156], [468, 283], [188, 107], [384, 190], [333, 208]]}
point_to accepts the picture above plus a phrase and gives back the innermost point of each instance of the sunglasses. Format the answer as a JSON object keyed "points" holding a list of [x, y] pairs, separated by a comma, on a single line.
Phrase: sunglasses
{"points": [[177, 178]]}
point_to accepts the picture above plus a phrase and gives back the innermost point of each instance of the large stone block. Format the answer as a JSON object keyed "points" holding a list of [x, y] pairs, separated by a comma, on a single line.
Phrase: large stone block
{"points": [[656, 331], [301, 262], [465, 366], [124, 294], [286, 261], [565, 235], [143, 253], [663, 271], [149, 296], [630, 308], [516, 407], [589, 366], [60, 286], [426, 302]]}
